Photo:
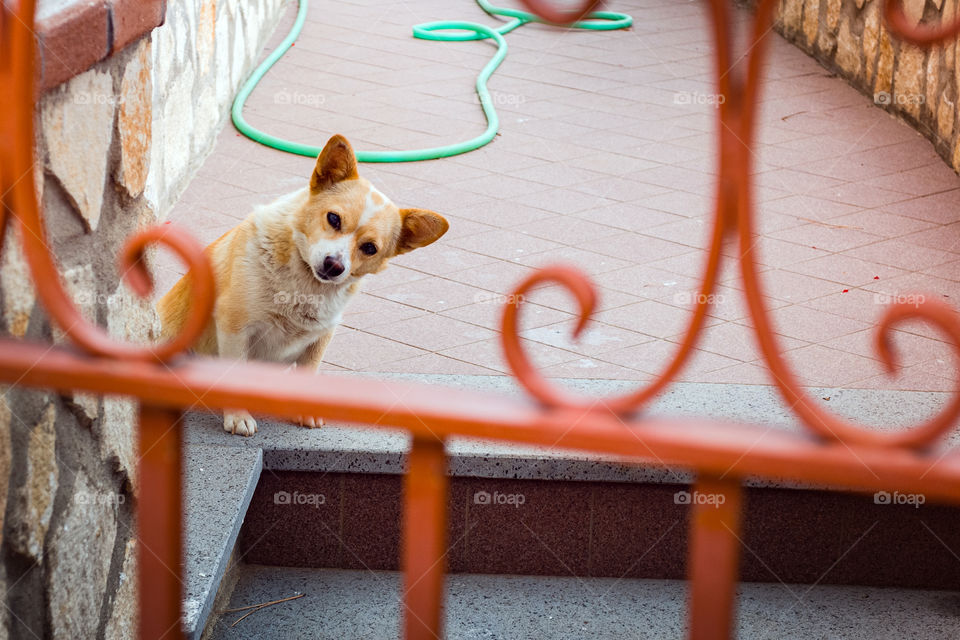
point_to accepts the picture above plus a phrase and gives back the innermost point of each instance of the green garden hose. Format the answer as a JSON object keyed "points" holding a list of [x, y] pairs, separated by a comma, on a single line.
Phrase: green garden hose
{"points": [[598, 21]]}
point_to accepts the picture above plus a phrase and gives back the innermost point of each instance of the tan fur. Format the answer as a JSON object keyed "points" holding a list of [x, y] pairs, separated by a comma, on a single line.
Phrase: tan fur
{"points": [[278, 299]]}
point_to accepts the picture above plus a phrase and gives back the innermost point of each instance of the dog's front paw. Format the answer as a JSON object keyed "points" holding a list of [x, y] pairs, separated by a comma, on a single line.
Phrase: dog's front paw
{"points": [[310, 422], [240, 423]]}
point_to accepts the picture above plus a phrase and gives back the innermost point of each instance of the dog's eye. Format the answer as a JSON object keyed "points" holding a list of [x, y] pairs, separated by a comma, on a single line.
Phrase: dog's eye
{"points": [[368, 248], [334, 220]]}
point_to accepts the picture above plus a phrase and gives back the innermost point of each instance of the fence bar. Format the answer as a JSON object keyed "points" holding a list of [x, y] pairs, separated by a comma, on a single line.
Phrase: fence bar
{"points": [[714, 557], [159, 525], [424, 539]]}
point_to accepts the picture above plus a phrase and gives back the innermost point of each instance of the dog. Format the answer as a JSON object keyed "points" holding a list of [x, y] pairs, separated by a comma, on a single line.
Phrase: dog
{"points": [[286, 273]]}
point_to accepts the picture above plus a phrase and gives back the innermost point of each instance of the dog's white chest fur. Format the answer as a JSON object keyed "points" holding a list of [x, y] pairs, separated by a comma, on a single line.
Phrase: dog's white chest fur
{"points": [[293, 325], [295, 309]]}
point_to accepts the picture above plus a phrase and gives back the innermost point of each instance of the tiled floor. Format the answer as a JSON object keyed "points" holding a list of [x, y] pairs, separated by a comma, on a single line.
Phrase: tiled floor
{"points": [[604, 160]]}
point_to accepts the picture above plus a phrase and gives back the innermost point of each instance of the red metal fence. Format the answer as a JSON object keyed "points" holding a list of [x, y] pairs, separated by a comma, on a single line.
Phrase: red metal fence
{"points": [[835, 452]]}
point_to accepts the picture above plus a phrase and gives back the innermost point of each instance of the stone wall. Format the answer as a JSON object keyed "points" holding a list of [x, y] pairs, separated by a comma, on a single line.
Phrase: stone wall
{"points": [[115, 145], [850, 38]]}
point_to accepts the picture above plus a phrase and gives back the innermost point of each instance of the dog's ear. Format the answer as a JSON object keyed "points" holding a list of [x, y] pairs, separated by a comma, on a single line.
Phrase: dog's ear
{"points": [[335, 163], [420, 228]]}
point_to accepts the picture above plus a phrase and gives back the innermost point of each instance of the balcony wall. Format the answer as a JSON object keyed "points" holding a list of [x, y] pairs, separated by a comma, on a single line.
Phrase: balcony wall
{"points": [[121, 128]]}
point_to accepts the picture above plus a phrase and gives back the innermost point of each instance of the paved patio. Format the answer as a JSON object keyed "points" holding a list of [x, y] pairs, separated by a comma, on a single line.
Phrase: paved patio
{"points": [[605, 159]]}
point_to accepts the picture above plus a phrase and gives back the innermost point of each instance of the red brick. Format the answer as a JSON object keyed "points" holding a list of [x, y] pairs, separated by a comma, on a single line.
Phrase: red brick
{"points": [[132, 19], [71, 41]]}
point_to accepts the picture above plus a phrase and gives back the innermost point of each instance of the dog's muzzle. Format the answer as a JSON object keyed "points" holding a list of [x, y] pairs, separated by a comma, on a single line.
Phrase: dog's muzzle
{"points": [[330, 269]]}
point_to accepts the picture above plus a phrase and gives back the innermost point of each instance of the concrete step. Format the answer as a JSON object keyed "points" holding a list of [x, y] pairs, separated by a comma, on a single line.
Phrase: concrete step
{"points": [[219, 484], [349, 449], [340, 604]]}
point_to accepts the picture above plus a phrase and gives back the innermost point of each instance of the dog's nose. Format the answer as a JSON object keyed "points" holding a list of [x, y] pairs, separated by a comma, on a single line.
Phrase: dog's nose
{"points": [[332, 267]]}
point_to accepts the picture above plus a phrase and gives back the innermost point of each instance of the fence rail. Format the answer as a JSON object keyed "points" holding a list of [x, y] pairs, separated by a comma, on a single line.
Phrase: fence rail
{"points": [[165, 381]]}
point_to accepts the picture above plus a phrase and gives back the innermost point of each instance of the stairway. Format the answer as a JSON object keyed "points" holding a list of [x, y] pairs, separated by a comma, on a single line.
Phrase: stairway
{"points": [[572, 545]]}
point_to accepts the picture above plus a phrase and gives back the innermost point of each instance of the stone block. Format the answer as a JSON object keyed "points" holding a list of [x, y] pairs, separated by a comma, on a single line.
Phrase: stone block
{"points": [[914, 10], [884, 82], [811, 21], [848, 50], [178, 116], [80, 285], [833, 14], [6, 447], [946, 113], [80, 550], [932, 97], [134, 121], [77, 125], [122, 624], [33, 502], [871, 37], [909, 79], [222, 68], [16, 285], [206, 35]]}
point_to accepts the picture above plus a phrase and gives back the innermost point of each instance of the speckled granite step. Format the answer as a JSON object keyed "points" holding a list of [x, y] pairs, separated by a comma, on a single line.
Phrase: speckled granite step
{"points": [[219, 485], [343, 448], [364, 604]]}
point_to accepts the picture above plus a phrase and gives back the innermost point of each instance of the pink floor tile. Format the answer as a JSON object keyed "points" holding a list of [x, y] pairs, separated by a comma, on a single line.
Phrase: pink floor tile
{"points": [[505, 244], [488, 312], [367, 311], [944, 238], [590, 262], [898, 253], [593, 369], [432, 332], [596, 340], [358, 351], [738, 341], [649, 317], [743, 373], [568, 230], [911, 349], [653, 357], [819, 365], [778, 253], [826, 236], [490, 354], [844, 269], [434, 363], [810, 325], [793, 287], [436, 295], [912, 379], [881, 223]]}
